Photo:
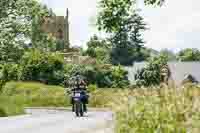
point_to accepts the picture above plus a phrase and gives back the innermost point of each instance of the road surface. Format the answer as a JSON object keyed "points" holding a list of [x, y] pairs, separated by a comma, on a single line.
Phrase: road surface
{"points": [[42, 121]]}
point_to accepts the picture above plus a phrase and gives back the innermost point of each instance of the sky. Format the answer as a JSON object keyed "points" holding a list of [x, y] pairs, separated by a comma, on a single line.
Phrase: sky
{"points": [[175, 25]]}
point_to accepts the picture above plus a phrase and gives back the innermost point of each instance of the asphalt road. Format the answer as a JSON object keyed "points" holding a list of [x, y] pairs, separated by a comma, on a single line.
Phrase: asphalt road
{"points": [[41, 121]]}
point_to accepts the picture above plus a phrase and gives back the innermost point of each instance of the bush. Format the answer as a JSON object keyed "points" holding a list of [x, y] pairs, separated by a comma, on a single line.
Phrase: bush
{"points": [[9, 71], [150, 75], [49, 68], [119, 77], [103, 77], [45, 67], [92, 88]]}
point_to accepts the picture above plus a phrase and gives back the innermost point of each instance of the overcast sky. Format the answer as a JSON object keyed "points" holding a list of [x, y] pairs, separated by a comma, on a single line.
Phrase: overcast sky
{"points": [[176, 25]]}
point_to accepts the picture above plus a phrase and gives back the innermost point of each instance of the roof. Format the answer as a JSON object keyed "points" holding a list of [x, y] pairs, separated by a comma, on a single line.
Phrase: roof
{"points": [[180, 69]]}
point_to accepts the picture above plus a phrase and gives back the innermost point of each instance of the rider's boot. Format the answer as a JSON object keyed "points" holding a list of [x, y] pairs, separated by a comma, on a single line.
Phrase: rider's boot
{"points": [[85, 108]]}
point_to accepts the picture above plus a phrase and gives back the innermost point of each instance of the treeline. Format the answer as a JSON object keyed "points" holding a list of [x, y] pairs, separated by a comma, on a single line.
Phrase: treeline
{"points": [[188, 54]]}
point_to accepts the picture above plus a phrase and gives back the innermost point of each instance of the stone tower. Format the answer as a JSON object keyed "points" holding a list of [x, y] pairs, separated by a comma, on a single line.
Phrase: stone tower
{"points": [[67, 28], [58, 26]]}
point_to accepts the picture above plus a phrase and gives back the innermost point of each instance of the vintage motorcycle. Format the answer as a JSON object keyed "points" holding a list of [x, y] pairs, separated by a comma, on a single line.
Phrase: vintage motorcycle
{"points": [[79, 106], [79, 96]]}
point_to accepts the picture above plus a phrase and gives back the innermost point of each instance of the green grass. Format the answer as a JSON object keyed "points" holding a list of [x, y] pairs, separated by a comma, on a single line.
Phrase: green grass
{"points": [[17, 95], [10, 106]]}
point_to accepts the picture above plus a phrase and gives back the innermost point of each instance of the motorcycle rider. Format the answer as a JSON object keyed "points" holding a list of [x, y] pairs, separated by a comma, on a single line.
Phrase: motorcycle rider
{"points": [[80, 85]]}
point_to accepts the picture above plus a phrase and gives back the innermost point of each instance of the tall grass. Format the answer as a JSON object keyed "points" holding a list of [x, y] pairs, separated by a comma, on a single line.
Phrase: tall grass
{"points": [[158, 110]]}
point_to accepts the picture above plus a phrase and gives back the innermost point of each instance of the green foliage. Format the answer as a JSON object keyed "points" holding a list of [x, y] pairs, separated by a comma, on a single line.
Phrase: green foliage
{"points": [[100, 76], [189, 55], [98, 49], [168, 54], [92, 87], [150, 75], [10, 71], [154, 2], [40, 66], [40, 39], [112, 14], [123, 22], [119, 76], [20, 20], [10, 106], [49, 68], [128, 40], [17, 95], [30, 94], [2, 113]]}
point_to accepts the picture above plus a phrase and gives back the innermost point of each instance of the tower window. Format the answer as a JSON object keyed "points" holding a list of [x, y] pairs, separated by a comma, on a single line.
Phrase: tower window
{"points": [[60, 34]]}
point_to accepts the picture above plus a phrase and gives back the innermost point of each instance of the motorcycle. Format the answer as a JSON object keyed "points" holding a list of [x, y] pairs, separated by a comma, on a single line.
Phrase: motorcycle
{"points": [[79, 106], [79, 96]]}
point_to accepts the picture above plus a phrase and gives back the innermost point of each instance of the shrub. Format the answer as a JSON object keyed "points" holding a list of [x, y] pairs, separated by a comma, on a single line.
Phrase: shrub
{"points": [[150, 75], [45, 67], [92, 88], [49, 68], [9, 71], [119, 76], [100, 76]]}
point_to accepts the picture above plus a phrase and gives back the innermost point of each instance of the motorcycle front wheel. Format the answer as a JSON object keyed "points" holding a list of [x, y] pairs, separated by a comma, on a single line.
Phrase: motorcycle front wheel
{"points": [[79, 109]]}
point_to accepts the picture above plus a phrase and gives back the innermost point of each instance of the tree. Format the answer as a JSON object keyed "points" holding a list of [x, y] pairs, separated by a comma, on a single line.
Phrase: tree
{"points": [[125, 25], [112, 12], [154, 2], [150, 75], [41, 66], [99, 49], [39, 38], [128, 41], [168, 54], [20, 20], [189, 54]]}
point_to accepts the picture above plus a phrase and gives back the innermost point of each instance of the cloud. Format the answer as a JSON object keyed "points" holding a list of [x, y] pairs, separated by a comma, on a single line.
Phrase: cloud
{"points": [[176, 25]]}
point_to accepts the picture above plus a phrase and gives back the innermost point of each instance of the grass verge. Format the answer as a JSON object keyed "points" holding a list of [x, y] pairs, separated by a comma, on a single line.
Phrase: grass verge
{"points": [[17, 95]]}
